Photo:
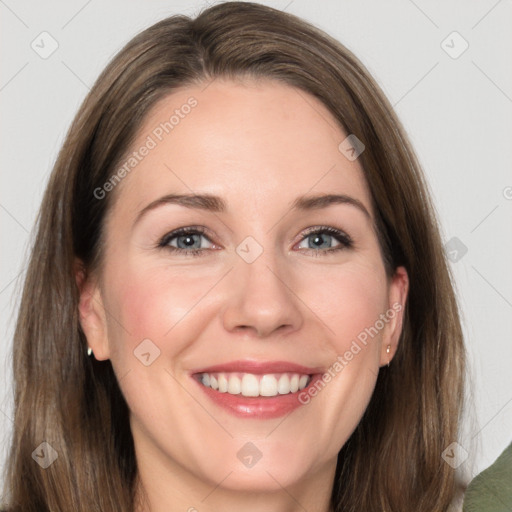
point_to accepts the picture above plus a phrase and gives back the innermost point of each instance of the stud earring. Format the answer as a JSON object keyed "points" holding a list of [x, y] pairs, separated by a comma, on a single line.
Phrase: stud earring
{"points": [[89, 351], [387, 352]]}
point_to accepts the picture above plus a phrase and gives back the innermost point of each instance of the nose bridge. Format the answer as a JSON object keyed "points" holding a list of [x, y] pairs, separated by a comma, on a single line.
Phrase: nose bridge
{"points": [[261, 299]]}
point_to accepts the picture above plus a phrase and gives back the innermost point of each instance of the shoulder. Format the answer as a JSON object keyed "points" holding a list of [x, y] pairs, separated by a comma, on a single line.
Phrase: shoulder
{"points": [[491, 489]]}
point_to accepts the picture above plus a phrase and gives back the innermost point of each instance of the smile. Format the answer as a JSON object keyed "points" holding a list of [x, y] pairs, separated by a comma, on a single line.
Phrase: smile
{"points": [[256, 389], [254, 385]]}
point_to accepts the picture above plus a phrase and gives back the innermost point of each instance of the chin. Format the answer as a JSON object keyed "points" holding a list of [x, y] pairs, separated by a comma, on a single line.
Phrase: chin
{"points": [[264, 477]]}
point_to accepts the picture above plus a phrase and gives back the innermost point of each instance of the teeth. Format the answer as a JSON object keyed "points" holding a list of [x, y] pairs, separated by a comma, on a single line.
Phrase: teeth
{"points": [[294, 383], [234, 385], [268, 386], [223, 382], [252, 385], [283, 385]]}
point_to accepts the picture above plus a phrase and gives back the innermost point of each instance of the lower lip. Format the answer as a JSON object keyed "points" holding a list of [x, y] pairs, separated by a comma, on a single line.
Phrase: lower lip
{"points": [[257, 407]]}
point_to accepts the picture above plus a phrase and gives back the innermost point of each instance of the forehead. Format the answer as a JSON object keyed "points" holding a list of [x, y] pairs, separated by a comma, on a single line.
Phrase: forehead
{"points": [[258, 142]]}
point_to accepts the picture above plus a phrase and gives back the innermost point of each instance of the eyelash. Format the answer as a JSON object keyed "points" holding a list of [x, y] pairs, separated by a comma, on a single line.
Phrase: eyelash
{"points": [[344, 240]]}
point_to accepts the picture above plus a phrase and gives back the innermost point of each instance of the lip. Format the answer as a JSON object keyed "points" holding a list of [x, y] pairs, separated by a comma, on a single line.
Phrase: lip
{"points": [[257, 407], [259, 367]]}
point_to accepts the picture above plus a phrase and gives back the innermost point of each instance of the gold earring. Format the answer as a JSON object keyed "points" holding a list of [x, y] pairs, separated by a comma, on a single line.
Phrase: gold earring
{"points": [[387, 352]]}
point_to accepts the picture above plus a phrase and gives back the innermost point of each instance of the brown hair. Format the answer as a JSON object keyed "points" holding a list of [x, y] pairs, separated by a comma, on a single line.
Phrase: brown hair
{"points": [[392, 461]]}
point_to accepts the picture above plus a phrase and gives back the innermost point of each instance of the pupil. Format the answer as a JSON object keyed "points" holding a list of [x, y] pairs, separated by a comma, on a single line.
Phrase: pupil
{"points": [[187, 240], [318, 240]]}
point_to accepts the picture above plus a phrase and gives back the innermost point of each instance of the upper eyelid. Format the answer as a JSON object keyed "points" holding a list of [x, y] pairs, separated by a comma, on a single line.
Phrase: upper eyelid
{"points": [[193, 230]]}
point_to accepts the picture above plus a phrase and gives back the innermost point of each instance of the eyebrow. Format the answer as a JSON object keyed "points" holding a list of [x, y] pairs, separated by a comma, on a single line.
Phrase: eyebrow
{"points": [[216, 204], [320, 201]]}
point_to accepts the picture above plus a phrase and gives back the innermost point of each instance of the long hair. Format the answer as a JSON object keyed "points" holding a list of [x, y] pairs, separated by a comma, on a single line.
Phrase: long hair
{"points": [[392, 461]]}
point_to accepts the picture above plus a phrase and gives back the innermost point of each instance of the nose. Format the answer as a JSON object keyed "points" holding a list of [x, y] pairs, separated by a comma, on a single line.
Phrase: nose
{"points": [[261, 298]]}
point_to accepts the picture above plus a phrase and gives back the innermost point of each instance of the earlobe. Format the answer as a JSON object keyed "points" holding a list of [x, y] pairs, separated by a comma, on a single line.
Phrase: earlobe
{"points": [[91, 313], [398, 291]]}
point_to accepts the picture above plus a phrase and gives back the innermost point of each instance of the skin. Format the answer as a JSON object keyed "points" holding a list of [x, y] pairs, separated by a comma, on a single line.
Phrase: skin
{"points": [[258, 145]]}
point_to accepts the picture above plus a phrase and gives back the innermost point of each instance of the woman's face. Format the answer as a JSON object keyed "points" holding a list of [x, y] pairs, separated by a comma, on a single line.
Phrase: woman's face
{"points": [[276, 291]]}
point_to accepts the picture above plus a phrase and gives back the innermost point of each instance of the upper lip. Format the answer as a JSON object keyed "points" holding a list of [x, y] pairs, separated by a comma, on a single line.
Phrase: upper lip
{"points": [[259, 367]]}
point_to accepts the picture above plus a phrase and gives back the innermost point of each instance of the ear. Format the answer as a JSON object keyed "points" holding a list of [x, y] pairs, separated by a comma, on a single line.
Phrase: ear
{"points": [[91, 312], [398, 290]]}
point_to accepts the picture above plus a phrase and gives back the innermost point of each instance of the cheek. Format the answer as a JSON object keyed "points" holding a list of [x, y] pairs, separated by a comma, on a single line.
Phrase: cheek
{"points": [[149, 303], [350, 301]]}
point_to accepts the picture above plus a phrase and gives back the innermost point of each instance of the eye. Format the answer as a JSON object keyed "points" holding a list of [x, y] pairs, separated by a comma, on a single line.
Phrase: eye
{"points": [[326, 239], [186, 241]]}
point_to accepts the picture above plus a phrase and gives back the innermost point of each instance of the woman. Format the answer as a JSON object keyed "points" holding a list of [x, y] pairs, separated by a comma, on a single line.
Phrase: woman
{"points": [[310, 356]]}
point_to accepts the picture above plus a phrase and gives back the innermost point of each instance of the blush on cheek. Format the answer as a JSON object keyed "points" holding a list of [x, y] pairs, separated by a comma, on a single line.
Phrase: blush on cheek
{"points": [[151, 304], [352, 307], [137, 306]]}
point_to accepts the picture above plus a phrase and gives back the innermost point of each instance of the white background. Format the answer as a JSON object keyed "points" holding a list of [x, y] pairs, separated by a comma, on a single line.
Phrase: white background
{"points": [[457, 113]]}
